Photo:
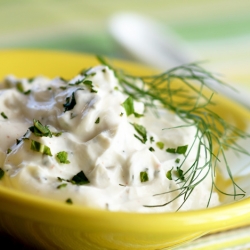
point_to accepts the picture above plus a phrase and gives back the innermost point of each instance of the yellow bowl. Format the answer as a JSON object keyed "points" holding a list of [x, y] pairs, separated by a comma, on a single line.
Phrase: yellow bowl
{"points": [[47, 224]]}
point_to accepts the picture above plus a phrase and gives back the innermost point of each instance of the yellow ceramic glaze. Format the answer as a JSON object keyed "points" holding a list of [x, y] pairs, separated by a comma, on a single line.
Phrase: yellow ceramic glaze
{"points": [[50, 224]]}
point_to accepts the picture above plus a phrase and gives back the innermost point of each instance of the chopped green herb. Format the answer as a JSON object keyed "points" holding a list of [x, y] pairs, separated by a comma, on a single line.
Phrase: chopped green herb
{"points": [[182, 149], [177, 160], [180, 174], [90, 86], [69, 201], [31, 79], [40, 130], [143, 176], [63, 157], [97, 120], [141, 131], [70, 102], [63, 87], [80, 179], [39, 147], [1, 173], [4, 115], [121, 114], [160, 144], [62, 185], [18, 141], [169, 174], [138, 115], [56, 134], [49, 88], [116, 88], [63, 79], [171, 150], [60, 179], [128, 105], [152, 139], [151, 149], [9, 150], [20, 88], [27, 92], [77, 82]]}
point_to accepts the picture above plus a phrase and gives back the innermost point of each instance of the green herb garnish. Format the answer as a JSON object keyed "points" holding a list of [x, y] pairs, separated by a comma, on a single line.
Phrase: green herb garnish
{"points": [[90, 86], [97, 120], [177, 160], [69, 201], [9, 150], [152, 139], [141, 131], [4, 115], [143, 176], [39, 147], [180, 174], [80, 179], [151, 149], [160, 144], [169, 174], [20, 88], [61, 185], [1, 173], [171, 150], [70, 102], [63, 157], [56, 134], [40, 130], [128, 105], [181, 149]]}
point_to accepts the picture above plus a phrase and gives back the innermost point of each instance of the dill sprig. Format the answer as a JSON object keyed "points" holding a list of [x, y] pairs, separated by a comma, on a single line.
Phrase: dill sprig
{"points": [[186, 91]]}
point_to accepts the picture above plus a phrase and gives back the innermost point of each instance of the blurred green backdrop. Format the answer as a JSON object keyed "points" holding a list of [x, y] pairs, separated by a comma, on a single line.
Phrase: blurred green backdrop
{"points": [[217, 30]]}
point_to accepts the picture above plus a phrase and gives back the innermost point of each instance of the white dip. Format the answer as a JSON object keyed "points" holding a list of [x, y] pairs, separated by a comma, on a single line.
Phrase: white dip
{"points": [[97, 138]]}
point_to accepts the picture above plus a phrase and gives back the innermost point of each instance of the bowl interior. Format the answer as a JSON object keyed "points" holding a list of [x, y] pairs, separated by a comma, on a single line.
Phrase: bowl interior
{"points": [[29, 63]]}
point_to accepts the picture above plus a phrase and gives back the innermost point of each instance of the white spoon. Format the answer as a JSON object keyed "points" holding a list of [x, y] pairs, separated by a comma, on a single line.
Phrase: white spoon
{"points": [[146, 41]]}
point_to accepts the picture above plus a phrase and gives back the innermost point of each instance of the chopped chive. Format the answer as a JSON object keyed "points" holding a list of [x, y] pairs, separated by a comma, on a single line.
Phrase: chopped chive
{"points": [[152, 139]]}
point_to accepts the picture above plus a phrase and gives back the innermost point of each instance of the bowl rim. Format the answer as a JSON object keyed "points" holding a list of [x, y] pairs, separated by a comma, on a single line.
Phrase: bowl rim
{"points": [[227, 215]]}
